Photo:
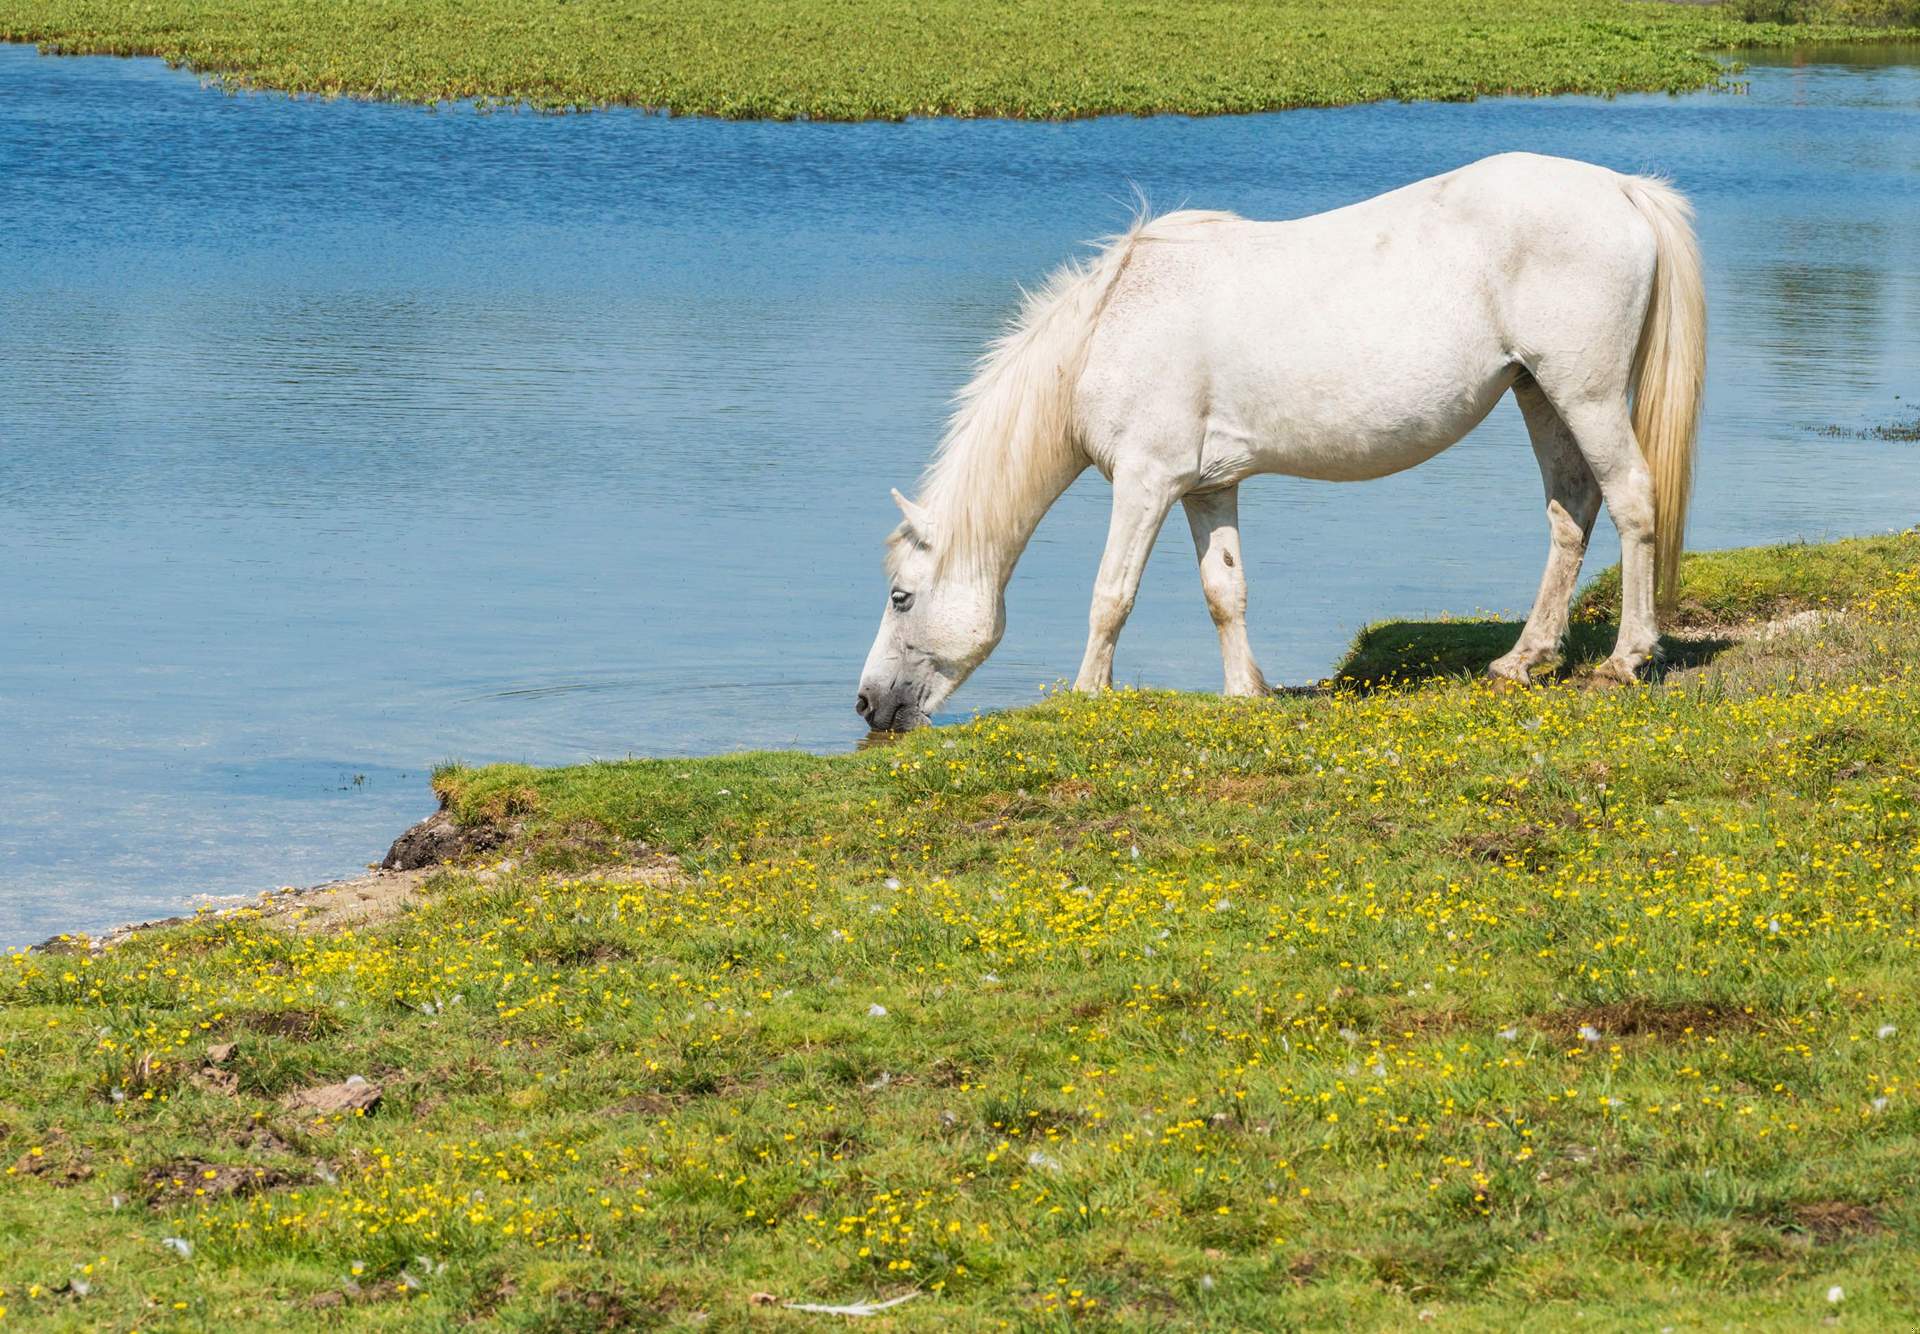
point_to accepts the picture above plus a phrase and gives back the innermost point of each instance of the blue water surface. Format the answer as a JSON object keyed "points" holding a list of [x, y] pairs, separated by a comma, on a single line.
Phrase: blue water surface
{"points": [[337, 440]]}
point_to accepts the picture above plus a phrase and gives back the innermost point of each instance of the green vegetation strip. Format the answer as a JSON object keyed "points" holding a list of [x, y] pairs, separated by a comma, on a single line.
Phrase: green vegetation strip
{"points": [[1510, 1008], [1724, 592], [875, 59]]}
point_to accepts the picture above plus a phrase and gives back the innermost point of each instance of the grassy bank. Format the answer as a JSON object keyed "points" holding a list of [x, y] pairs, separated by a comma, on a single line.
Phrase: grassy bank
{"points": [[1137, 1010], [864, 59]]}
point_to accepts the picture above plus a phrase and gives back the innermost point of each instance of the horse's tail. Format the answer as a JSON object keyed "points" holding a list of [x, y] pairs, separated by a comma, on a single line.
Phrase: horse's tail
{"points": [[1012, 433], [1669, 371]]}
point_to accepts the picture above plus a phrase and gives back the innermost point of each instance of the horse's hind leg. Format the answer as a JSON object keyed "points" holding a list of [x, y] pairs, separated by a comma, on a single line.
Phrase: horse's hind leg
{"points": [[1603, 428], [1573, 503], [1215, 520]]}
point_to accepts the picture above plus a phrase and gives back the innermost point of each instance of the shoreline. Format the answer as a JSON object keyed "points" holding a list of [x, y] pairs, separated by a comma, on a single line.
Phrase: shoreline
{"points": [[440, 843], [383, 891], [329, 903], [422, 848]]}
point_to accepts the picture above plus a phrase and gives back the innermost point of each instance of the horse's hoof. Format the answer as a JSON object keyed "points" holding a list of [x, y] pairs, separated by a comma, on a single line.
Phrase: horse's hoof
{"points": [[1502, 684], [1512, 674], [1611, 675]]}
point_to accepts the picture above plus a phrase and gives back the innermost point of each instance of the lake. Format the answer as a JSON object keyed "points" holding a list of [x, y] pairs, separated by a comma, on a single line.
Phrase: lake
{"points": [[338, 440]]}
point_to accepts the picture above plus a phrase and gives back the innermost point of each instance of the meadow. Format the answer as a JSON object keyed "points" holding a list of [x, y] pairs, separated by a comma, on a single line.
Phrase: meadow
{"points": [[868, 59], [1388, 1005]]}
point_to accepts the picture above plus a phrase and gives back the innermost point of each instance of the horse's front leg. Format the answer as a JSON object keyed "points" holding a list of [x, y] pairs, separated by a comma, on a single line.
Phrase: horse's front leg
{"points": [[1140, 505], [1215, 521]]}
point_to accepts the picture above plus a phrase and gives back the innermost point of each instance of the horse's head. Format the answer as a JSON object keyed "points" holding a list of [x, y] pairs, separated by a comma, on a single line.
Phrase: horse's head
{"points": [[942, 620]]}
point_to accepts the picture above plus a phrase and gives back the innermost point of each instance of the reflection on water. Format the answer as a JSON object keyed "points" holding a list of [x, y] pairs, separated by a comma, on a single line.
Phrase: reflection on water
{"points": [[342, 440], [1839, 307]]}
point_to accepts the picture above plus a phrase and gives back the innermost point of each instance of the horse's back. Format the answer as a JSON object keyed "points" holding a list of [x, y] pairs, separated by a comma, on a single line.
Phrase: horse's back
{"points": [[1361, 341]]}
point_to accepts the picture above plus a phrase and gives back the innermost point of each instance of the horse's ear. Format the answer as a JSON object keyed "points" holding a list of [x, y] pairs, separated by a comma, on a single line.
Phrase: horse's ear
{"points": [[917, 517]]}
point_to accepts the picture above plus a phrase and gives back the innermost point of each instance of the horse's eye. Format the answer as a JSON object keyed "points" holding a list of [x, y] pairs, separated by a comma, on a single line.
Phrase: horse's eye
{"points": [[901, 599]]}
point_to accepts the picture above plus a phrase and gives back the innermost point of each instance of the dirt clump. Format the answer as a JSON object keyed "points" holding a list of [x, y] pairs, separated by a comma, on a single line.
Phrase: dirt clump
{"points": [[343, 1099], [262, 1139], [57, 1162], [294, 1025], [192, 1178], [1836, 1220], [1658, 1019], [441, 838]]}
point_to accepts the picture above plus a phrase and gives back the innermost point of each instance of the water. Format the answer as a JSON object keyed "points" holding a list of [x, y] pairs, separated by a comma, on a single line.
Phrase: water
{"points": [[337, 440]]}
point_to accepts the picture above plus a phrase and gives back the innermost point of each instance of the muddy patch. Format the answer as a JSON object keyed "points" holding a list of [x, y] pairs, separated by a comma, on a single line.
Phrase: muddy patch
{"points": [[580, 951], [947, 1073], [360, 1294], [293, 1025], [188, 1179], [1302, 1270], [56, 1163], [1644, 1018], [263, 1139], [1518, 845], [601, 1308], [1400, 1020], [1830, 1221]]}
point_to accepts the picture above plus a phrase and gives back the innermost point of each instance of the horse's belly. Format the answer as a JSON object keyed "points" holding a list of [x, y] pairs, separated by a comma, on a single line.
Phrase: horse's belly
{"points": [[1351, 432], [1346, 381]]}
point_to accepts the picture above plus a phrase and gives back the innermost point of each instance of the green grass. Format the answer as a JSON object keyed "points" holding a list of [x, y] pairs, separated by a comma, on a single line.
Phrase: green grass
{"points": [[1725, 588], [866, 59], [1138, 1011], [1722, 591], [1399, 653]]}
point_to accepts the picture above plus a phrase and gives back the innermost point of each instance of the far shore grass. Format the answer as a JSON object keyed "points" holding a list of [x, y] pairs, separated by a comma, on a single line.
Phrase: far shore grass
{"points": [[1427, 1005], [888, 59]]}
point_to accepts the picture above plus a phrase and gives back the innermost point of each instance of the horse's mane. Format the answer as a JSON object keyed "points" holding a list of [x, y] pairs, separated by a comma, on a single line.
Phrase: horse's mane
{"points": [[1011, 436]]}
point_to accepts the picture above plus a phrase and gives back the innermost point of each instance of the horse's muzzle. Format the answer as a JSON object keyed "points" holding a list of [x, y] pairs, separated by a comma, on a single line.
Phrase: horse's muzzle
{"points": [[887, 711]]}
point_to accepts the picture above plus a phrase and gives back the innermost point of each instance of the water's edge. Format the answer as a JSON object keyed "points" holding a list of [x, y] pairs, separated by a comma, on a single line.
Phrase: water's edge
{"points": [[437, 843]]}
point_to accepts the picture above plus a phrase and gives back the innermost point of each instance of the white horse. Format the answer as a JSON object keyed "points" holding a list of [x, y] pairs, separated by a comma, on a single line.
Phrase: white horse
{"points": [[1201, 348]]}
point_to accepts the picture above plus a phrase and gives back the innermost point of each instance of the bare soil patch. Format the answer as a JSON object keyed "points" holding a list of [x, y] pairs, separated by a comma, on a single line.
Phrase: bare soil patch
{"points": [[1836, 1220], [379, 896], [188, 1179], [355, 1095], [1659, 1019], [57, 1162], [1497, 847], [294, 1025]]}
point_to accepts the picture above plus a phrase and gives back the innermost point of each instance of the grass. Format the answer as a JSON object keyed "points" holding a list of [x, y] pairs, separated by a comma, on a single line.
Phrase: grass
{"points": [[1134, 1011], [1725, 592], [1726, 588], [877, 59]]}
